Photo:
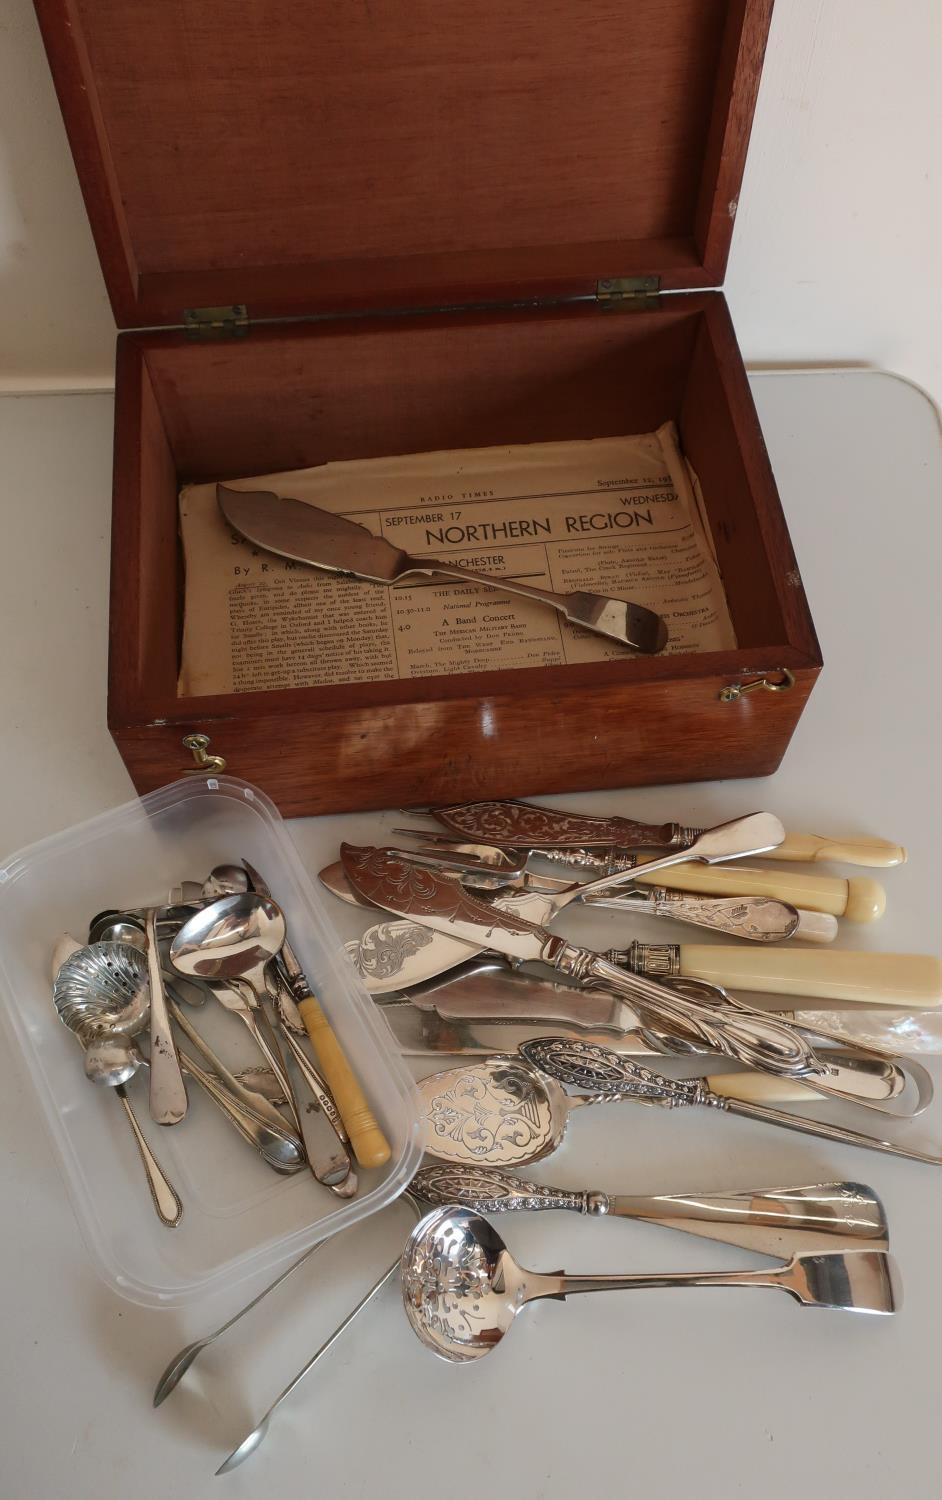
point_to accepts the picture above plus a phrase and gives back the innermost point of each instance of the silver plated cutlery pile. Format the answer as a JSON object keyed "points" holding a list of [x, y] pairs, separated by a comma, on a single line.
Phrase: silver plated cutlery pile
{"points": [[132, 995], [463, 960]]}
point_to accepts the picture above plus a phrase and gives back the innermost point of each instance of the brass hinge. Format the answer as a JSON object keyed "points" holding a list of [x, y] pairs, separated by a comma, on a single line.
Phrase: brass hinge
{"points": [[217, 322], [629, 292]]}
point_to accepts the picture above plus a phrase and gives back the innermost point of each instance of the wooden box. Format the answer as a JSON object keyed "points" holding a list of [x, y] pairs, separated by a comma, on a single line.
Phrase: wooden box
{"points": [[422, 228]]}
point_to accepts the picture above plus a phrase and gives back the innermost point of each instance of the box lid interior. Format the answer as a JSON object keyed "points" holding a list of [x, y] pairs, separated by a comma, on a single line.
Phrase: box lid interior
{"points": [[369, 153]]}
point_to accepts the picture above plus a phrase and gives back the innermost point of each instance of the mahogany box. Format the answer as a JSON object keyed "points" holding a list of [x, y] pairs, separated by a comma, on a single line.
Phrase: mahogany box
{"points": [[346, 230]]}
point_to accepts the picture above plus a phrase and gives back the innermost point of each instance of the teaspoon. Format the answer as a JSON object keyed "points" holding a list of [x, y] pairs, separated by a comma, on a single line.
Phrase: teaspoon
{"points": [[232, 941], [112, 1063]]}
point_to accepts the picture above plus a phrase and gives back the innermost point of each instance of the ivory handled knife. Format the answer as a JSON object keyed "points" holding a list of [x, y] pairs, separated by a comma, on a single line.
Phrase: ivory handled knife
{"points": [[397, 955], [759, 1040], [561, 835], [512, 1008], [857, 900]]}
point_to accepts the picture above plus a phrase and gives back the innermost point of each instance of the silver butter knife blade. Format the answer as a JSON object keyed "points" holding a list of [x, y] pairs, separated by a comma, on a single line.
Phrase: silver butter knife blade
{"points": [[382, 878], [305, 533], [495, 994], [399, 954], [422, 1033]]}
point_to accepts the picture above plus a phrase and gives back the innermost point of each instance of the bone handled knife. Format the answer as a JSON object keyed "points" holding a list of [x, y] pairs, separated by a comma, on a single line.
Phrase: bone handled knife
{"points": [[549, 831], [911, 981], [859, 900], [759, 1041], [396, 955]]}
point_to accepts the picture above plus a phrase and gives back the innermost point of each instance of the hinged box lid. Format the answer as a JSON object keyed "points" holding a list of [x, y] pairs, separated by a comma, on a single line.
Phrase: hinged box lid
{"points": [[295, 159]]}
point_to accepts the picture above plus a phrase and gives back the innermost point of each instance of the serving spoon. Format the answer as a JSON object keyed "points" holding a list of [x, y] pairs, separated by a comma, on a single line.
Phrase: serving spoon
{"points": [[462, 1289], [768, 1221], [232, 941]]}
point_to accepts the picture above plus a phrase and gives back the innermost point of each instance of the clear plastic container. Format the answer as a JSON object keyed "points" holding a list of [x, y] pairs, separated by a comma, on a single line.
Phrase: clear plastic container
{"points": [[240, 1218]]}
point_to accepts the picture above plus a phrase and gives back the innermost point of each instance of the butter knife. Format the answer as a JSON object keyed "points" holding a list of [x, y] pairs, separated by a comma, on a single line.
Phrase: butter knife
{"points": [[424, 1033], [571, 838], [305, 533], [756, 919], [397, 955], [502, 999], [859, 900], [758, 1040]]}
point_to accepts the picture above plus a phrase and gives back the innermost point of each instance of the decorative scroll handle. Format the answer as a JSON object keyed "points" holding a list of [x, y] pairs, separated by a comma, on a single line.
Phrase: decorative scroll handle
{"points": [[599, 1071], [588, 1066], [588, 859], [523, 825], [491, 1191], [752, 1037], [760, 919]]}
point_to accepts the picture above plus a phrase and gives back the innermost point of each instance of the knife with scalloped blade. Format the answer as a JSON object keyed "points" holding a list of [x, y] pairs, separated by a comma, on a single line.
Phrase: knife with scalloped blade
{"points": [[305, 533], [417, 892]]}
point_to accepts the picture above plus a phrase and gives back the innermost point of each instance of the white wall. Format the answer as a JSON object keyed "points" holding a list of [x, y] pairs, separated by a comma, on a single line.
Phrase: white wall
{"points": [[838, 246]]}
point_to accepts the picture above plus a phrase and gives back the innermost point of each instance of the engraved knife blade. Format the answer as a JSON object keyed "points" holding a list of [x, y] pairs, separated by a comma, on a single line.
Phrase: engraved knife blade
{"points": [[524, 825], [759, 1040]]}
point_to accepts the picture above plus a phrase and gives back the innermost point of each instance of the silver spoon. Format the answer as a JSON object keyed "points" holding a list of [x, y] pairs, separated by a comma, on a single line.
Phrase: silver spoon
{"points": [[500, 1112], [226, 880], [233, 940], [120, 928], [768, 1221], [279, 1148], [164, 1196], [111, 1063], [249, 1443], [168, 1100], [588, 1065], [127, 927], [763, 1221], [252, 1098], [229, 944], [102, 993], [462, 1288], [235, 880]]}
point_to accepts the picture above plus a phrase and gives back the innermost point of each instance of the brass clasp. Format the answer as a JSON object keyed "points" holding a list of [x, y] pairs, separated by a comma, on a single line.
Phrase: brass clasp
{"points": [[737, 690], [199, 744]]}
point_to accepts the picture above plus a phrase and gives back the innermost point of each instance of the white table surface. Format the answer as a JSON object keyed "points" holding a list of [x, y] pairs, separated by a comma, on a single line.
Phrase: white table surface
{"points": [[662, 1393]]}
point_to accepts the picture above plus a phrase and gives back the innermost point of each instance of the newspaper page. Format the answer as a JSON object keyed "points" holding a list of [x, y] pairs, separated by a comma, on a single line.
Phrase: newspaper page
{"points": [[615, 516]]}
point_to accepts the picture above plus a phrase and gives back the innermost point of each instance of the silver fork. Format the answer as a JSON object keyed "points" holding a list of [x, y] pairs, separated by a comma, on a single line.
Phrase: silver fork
{"points": [[758, 919], [598, 862]]}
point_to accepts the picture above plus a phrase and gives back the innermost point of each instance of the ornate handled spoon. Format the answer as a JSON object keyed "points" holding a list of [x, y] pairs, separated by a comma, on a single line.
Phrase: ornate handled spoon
{"points": [[770, 1221], [587, 1065]]}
